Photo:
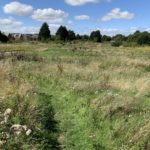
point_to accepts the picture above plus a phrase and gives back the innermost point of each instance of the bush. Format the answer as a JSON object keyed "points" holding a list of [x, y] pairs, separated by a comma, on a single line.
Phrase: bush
{"points": [[3, 38], [119, 38], [71, 35], [40, 119], [116, 43], [96, 36], [130, 44], [140, 38], [106, 38]]}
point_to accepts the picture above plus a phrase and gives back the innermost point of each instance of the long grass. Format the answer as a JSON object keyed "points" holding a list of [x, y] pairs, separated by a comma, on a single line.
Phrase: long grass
{"points": [[99, 95]]}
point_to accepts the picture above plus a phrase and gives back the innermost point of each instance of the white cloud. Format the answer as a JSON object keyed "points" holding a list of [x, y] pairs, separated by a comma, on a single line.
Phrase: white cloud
{"points": [[49, 15], [10, 25], [82, 17], [118, 14], [127, 31], [110, 31], [70, 22], [53, 28], [29, 30], [79, 2], [107, 31], [10, 22], [18, 8], [21, 29]]}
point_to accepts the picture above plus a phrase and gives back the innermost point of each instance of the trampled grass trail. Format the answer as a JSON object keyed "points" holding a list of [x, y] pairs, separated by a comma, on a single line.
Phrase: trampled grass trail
{"points": [[91, 96]]}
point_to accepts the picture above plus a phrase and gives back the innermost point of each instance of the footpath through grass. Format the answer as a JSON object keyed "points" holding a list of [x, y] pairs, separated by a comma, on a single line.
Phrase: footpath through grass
{"points": [[91, 97]]}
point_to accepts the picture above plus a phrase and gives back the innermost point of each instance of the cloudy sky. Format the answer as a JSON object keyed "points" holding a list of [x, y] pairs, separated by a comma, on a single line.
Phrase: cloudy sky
{"points": [[82, 16]]}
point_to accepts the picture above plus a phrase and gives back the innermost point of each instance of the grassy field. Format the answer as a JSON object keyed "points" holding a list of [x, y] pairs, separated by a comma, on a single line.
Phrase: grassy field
{"points": [[76, 96]]}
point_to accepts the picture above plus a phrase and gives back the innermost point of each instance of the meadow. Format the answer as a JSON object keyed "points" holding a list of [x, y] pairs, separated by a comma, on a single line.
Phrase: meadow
{"points": [[75, 96]]}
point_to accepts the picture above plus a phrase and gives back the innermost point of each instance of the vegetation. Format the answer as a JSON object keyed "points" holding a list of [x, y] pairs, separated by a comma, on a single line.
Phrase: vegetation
{"points": [[96, 36], [3, 38], [106, 38], [141, 38], [77, 95], [62, 33], [71, 35], [44, 33]]}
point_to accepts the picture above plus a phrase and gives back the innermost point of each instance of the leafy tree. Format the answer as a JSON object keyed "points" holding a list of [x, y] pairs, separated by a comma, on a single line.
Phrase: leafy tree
{"points": [[119, 38], [106, 38], [78, 37], [116, 43], [96, 36], [144, 38], [44, 33], [3, 37], [133, 37], [139, 38], [82, 37], [85, 37], [62, 33], [71, 35]]}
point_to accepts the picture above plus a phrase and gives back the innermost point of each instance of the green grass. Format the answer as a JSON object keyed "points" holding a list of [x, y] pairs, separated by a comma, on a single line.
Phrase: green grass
{"points": [[96, 97]]}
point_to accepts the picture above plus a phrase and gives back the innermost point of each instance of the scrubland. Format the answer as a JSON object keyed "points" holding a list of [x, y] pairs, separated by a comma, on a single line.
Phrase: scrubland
{"points": [[75, 96]]}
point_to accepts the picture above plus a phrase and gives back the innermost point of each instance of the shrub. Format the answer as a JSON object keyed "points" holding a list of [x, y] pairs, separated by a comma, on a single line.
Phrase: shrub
{"points": [[3, 38], [119, 38], [140, 38], [71, 35], [106, 38], [116, 43], [96, 36]]}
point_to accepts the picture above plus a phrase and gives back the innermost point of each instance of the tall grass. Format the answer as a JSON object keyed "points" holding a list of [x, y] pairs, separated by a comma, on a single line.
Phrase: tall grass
{"points": [[89, 97]]}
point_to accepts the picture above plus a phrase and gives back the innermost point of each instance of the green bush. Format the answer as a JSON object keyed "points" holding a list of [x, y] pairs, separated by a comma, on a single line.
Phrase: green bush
{"points": [[3, 38], [96, 36], [140, 38], [116, 43]]}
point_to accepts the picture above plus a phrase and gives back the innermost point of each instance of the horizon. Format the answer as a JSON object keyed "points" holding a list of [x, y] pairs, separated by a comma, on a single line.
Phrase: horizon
{"points": [[111, 17]]}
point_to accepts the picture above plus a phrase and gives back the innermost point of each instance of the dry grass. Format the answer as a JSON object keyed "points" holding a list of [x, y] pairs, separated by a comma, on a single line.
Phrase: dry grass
{"points": [[107, 88]]}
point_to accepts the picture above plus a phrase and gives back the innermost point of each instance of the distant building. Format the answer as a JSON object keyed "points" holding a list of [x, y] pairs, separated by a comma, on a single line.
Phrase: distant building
{"points": [[9, 35], [18, 36], [23, 37]]}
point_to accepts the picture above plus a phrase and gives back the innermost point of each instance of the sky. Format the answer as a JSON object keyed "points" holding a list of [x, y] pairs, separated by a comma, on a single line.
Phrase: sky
{"points": [[83, 16]]}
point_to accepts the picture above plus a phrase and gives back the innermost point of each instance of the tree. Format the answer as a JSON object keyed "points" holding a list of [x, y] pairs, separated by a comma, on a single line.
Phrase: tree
{"points": [[96, 36], [85, 37], [139, 38], [106, 38], [144, 38], [62, 33], [119, 38], [78, 37], [44, 33], [71, 35], [3, 37]]}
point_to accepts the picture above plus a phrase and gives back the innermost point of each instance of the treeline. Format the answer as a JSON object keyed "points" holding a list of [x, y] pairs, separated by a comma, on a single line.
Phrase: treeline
{"points": [[3, 38], [63, 34], [137, 38]]}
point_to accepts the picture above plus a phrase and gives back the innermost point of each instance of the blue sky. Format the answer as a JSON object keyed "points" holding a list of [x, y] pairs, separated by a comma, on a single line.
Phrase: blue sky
{"points": [[82, 16]]}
